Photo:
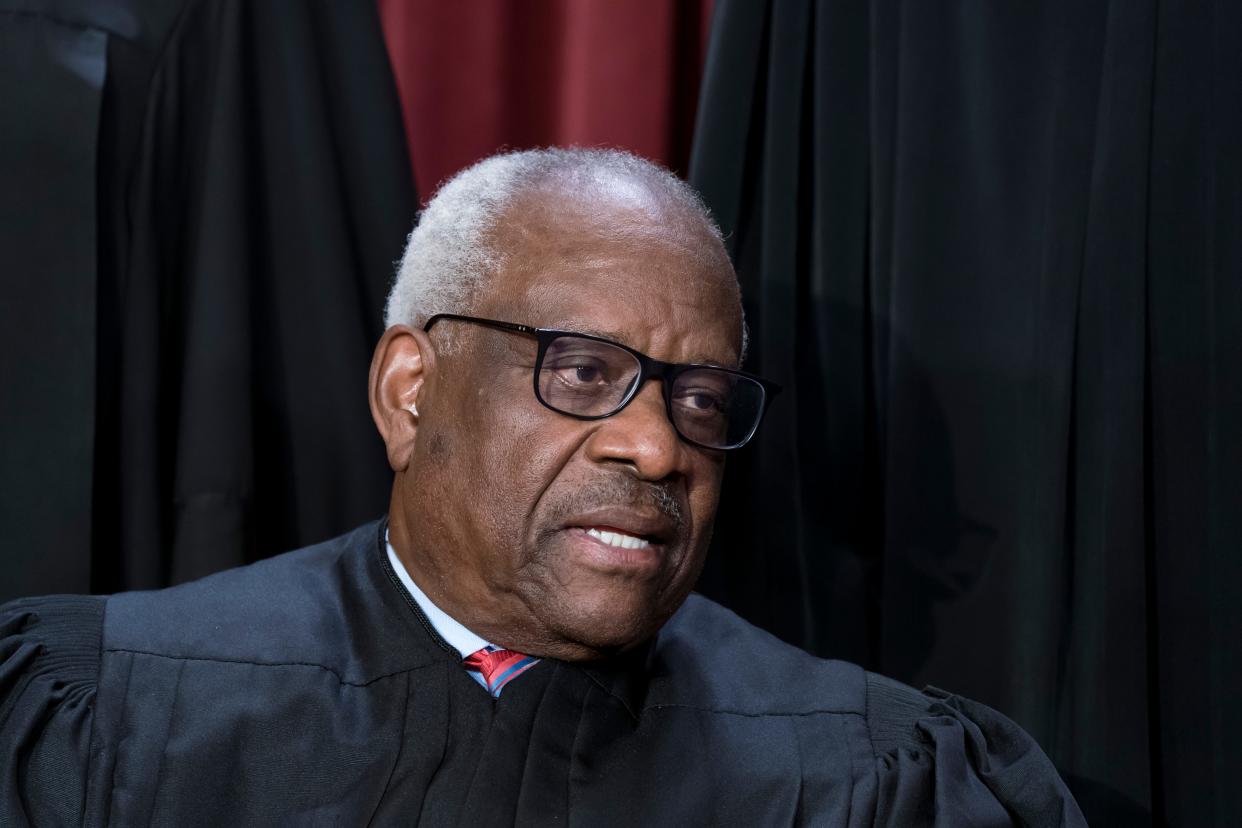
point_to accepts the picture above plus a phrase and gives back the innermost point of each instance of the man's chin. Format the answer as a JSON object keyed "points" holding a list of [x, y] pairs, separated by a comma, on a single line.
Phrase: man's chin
{"points": [[604, 624], [595, 600]]}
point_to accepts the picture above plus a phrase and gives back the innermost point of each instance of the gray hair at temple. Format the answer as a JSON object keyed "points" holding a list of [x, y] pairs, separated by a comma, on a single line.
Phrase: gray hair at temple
{"points": [[448, 256]]}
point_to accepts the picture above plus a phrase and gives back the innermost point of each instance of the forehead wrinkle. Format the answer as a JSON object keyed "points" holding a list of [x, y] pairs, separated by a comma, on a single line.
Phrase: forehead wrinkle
{"points": [[545, 306], [549, 234], [569, 325]]}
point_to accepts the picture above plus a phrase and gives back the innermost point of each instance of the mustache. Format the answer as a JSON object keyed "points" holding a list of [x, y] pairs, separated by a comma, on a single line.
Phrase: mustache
{"points": [[620, 490]]}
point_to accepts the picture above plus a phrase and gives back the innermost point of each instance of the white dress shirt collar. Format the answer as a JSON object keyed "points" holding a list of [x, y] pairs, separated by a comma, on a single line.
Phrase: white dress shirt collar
{"points": [[458, 637]]}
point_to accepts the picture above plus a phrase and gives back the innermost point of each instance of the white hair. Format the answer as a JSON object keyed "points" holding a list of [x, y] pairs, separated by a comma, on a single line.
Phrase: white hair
{"points": [[449, 254]]}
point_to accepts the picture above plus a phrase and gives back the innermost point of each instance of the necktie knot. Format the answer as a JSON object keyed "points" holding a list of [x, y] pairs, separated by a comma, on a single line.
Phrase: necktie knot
{"points": [[498, 667]]}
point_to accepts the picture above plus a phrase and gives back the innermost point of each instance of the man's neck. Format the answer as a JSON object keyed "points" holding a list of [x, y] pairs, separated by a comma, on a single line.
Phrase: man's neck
{"points": [[450, 629]]}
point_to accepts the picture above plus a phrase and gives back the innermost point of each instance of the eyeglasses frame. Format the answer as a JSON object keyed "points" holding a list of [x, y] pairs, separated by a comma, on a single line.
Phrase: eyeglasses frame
{"points": [[648, 368]]}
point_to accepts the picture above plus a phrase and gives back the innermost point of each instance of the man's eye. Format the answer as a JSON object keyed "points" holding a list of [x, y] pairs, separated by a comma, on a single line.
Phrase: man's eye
{"points": [[579, 372], [701, 401], [587, 374]]}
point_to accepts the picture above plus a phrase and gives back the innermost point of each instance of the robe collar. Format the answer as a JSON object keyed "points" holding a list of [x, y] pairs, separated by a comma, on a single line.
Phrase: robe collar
{"points": [[624, 676]]}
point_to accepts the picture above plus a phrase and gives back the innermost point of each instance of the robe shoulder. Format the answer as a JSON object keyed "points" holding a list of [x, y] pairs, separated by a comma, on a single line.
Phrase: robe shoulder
{"points": [[939, 758], [708, 658], [316, 606], [76, 671], [251, 613], [49, 668], [944, 759]]}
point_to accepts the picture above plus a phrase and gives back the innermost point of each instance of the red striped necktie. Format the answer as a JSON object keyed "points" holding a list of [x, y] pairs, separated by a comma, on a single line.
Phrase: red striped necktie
{"points": [[498, 667]]}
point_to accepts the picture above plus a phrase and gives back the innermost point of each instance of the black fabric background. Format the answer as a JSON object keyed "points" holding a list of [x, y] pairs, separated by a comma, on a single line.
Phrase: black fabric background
{"points": [[992, 251], [201, 207], [51, 87]]}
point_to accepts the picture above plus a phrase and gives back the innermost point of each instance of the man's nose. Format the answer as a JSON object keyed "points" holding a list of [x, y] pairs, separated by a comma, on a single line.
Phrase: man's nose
{"points": [[640, 435]]}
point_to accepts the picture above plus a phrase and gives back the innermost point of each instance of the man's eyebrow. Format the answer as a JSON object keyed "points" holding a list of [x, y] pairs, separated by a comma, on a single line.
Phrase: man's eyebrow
{"points": [[602, 333], [619, 336]]}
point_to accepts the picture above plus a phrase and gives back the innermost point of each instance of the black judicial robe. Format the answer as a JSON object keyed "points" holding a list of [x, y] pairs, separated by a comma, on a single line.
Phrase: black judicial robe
{"points": [[308, 689]]}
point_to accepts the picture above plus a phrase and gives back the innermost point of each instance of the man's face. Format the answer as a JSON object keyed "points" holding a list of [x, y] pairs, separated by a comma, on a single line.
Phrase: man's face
{"points": [[518, 520]]}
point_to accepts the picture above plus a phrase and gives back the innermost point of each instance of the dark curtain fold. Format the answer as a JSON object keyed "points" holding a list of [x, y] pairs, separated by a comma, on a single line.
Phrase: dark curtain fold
{"points": [[231, 189], [51, 84], [992, 252]]}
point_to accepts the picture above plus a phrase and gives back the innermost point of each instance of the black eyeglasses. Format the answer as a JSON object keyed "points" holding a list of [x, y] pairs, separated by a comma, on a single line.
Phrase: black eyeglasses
{"points": [[590, 378]]}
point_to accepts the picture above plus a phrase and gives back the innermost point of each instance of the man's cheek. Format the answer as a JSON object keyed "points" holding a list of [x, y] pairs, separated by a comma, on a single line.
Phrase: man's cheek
{"points": [[521, 463], [439, 447], [704, 492]]}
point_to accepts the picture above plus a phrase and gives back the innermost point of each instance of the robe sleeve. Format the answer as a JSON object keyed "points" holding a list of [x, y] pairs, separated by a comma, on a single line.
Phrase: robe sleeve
{"points": [[942, 760], [49, 668]]}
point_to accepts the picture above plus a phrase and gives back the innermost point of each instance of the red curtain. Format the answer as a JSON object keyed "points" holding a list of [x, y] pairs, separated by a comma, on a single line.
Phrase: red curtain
{"points": [[480, 76]]}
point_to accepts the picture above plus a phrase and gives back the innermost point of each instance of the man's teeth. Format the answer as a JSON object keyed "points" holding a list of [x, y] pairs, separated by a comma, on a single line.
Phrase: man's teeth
{"points": [[618, 539]]}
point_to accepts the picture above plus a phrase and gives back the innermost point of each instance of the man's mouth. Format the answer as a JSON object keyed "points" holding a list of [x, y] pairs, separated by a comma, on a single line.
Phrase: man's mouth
{"points": [[616, 538], [610, 549], [622, 539]]}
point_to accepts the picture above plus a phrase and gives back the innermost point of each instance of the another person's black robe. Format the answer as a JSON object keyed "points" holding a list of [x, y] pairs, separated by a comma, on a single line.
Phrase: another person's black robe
{"points": [[310, 689], [200, 205]]}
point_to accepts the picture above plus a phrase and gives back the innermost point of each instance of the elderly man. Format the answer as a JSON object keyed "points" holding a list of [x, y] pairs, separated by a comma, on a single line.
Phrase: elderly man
{"points": [[516, 643]]}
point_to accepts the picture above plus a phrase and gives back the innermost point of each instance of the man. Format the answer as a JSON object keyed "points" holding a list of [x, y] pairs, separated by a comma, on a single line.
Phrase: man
{"points": [[557, 389]]}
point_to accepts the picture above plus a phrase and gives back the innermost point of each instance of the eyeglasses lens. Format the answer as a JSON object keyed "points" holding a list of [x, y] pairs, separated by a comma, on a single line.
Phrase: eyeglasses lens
{"points": [[716, 408], [587, 378]]}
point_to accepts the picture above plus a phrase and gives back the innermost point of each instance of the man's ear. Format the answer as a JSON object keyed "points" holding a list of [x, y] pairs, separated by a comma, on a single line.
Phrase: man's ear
{"points": [[404, 360]]}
